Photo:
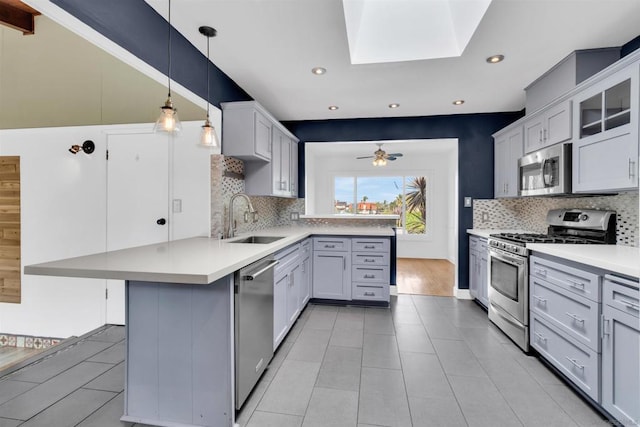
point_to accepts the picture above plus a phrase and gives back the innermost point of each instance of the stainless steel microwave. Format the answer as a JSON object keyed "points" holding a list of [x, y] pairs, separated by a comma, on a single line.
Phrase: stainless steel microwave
{"points": [[546, 172]]}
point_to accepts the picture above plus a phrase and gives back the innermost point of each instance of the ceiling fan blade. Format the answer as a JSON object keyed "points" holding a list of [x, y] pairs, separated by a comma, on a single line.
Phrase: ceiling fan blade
{"points": [[391, 158], [365, 157], [395, 155]]}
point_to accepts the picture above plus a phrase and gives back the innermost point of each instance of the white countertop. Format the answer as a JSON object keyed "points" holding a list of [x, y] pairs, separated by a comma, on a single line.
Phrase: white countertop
{"points": [[349, 216], [199, 260], [616, 258]]}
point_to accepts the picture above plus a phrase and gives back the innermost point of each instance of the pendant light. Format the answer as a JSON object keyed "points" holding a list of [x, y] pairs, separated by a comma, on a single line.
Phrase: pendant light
{"points": [[168, 120], [208, 137]]}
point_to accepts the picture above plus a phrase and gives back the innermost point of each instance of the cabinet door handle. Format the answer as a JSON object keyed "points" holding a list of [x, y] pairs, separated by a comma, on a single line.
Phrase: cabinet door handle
{"points": [[575, 363], [369, 260], [631, 305], [369, 276], [632, 169], [540, 136], [542, 300], [369, 247], [602, 328], [369, 294], [574, 317], [344, 263], [540, 337], [544, 135], [540, 271], [574, 284], [329, 246]]}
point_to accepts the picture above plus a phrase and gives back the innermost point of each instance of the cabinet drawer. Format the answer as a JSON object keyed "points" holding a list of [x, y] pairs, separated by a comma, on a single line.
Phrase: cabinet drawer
{"points": [[370, 274], [363, 291], [331, 244], [369, 259], [578, 281], [578, 363], [474, 242], [572, 314], [624, 298], [370, 245]]}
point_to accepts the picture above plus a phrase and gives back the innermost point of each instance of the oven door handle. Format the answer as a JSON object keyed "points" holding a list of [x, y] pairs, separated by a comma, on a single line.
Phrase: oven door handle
{"points": [[506, 257]]}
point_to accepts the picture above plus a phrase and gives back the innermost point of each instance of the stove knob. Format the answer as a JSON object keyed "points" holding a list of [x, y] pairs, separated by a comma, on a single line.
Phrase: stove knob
{"points": [[584, 217]]}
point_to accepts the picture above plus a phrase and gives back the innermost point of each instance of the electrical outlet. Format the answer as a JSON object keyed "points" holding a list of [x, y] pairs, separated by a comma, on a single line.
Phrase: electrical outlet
{"points": [[485, 216], [177, 205], [467, 202], [294, 216]]}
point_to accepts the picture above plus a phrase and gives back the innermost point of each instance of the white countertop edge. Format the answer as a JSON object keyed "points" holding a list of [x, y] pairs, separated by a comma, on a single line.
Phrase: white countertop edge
{"points": [[485, 232], [615, 258], [221, 257], [348, 216]]}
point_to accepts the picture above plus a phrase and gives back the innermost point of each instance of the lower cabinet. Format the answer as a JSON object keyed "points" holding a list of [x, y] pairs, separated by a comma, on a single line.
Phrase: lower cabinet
{"points": [[287, 285], [305, 273], [478, 274], [621, 350]]}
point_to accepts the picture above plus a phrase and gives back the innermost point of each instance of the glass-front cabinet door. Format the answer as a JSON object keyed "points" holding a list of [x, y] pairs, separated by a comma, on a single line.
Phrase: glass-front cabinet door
{"points": [[605, 152]]}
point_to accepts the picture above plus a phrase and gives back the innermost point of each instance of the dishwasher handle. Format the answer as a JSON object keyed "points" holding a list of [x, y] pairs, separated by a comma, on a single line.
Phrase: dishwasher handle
{"points": [[262, 270]]}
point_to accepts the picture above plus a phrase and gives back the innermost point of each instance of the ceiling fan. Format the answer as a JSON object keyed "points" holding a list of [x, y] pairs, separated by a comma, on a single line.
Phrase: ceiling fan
{"points": [[380, 156]]}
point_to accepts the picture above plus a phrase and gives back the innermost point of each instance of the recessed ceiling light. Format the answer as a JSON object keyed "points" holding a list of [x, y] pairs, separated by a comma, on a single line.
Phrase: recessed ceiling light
{"points": [[394, 105], [495, 59], [458, 102], [318, 71], [333, 107]]}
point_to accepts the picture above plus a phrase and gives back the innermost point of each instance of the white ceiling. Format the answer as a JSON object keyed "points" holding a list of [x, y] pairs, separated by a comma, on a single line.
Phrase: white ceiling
{"points": [[269, 47]]}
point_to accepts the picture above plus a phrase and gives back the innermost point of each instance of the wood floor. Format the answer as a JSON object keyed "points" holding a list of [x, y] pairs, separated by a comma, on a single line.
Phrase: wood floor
{"points": [[11, 355], [418, 276]]}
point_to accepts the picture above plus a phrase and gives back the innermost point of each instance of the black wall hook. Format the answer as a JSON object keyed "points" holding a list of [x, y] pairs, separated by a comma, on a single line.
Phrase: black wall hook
{"points": [[88, 147]]}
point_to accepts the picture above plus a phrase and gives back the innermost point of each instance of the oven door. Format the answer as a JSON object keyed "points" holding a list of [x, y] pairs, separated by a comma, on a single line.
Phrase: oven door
{"points": [[507, 284]]}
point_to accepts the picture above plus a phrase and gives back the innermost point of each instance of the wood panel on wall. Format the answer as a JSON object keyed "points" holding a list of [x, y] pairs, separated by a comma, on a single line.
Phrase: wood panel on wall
{"points": [[10, 265]]}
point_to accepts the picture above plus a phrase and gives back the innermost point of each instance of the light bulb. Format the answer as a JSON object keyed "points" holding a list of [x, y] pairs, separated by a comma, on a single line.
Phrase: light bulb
{"points": [[168, 120], [208, 137]]}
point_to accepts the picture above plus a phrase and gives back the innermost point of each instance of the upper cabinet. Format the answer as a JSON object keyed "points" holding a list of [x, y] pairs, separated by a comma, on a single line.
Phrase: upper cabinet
{"points": [[551, 126], [507, 151], [246, 131], [269, 150], [605, 148]]}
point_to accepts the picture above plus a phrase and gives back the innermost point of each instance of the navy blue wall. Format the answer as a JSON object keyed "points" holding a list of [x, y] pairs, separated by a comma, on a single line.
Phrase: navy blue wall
{"points": [[135, 26], [630, 46], [475, 152]]}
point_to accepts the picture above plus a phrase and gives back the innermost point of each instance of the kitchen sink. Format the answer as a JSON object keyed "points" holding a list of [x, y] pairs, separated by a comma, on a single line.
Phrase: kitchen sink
{"points": [[257, 239]]}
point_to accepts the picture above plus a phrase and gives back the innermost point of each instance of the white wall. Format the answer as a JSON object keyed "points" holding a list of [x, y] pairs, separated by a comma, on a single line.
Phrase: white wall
{"points": [[439, 162], [63, 214]]}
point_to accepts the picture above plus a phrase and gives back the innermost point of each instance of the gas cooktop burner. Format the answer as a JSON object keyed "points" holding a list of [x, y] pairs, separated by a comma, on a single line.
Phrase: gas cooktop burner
{"points": [[544, 238]]}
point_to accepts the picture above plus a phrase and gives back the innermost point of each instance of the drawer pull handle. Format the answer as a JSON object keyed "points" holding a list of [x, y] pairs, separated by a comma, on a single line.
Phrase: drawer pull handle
{"points": [[541, 337], [369, 276], [369, 260], [631, 305], [575, 363], [575, 284], [541, 272], [369, 247], [574, 317], [542, 300], [369, 294], [330, 246]]}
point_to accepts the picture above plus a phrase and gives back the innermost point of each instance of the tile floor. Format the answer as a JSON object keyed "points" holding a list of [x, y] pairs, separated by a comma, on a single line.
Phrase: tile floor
{"points": [[429, 361]]}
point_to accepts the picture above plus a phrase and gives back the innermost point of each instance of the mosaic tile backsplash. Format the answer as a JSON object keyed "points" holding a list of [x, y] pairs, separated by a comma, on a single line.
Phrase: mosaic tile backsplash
{"points": [[27, 341], [530, 213]]}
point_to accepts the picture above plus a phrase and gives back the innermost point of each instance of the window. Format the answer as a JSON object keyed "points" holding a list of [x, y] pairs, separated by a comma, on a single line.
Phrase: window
{"points": [[405, 196]]}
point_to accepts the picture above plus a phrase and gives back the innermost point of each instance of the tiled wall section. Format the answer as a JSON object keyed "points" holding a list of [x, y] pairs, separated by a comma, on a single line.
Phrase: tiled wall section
{"points": [[347, 222], [530, 213], [272, 211], [27, 341]]}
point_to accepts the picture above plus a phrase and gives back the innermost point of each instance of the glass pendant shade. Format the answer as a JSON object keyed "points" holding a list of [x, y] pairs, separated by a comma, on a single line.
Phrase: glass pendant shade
{"points": [[168, 120], [208, 137]]}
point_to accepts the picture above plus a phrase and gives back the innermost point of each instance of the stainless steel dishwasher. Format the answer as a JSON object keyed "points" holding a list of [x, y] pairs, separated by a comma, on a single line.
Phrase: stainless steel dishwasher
{"points": [[253, 324]]}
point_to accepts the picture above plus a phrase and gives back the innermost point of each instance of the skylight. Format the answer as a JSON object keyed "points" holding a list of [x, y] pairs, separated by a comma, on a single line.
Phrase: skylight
{"points": [[409, 30]]}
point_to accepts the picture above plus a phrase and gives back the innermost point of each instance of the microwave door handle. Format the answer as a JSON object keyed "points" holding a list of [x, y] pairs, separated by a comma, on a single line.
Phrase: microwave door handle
{"points": [[543, 166]]}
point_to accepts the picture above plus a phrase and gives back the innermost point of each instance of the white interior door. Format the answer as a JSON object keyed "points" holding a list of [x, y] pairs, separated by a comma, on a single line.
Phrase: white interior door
{"points": [[137, 200]]}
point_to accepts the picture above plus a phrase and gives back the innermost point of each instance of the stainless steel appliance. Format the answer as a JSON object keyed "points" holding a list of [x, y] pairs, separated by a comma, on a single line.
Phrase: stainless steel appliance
{"points": [[545, 172], [509, 264], [253, 324]]}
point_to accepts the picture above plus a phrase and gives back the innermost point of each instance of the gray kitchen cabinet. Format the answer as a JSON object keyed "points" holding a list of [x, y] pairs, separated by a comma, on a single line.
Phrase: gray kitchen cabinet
{"points": [[332, 268], [551, 126], [246, 131], [507, 151], [478, 273], [305, 270], [370, 269], [286, 290], [621, 350], [605, 147]]}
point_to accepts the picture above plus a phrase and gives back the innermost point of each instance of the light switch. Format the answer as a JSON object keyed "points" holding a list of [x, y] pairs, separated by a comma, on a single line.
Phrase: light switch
{"points": [[467, 202], [177, 205]]}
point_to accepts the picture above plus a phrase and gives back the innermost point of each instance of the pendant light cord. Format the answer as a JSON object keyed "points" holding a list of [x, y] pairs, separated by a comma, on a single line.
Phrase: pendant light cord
{"points": [[208, 38], [169, 49]]}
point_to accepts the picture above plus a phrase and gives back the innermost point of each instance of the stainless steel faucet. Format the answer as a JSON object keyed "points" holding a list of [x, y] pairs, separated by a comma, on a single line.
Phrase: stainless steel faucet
{"points": [[232, 227]]}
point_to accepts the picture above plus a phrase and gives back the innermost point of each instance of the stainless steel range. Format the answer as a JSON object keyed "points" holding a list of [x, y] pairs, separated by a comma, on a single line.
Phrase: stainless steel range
{"points": [[509, 263]]}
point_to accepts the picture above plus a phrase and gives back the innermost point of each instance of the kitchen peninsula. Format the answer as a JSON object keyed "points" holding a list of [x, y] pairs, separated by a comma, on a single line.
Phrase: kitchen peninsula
{"points": [[179, 318]]}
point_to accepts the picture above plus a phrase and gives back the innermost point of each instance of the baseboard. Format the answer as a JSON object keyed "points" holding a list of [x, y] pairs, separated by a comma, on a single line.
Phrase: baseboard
{"points": [[463, 294]]}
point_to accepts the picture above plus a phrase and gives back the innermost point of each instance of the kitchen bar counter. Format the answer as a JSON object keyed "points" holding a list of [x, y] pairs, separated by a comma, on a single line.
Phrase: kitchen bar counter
{"points": [[615, 258], [198, 260]]}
